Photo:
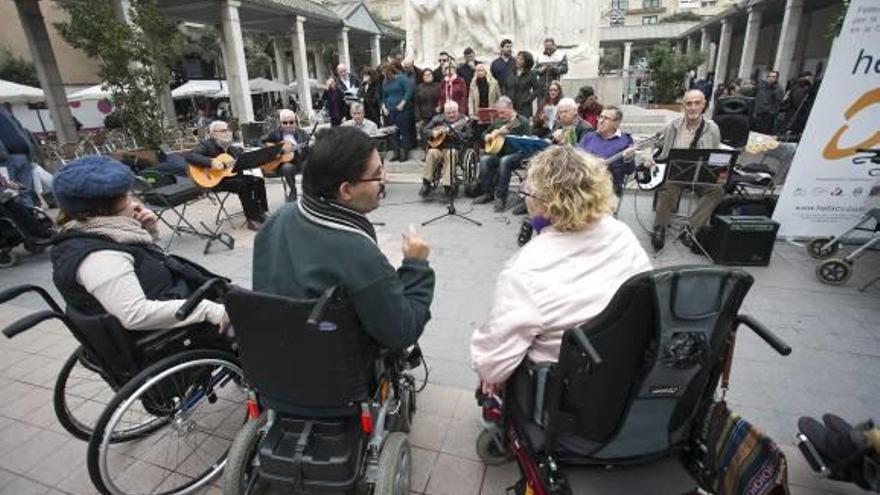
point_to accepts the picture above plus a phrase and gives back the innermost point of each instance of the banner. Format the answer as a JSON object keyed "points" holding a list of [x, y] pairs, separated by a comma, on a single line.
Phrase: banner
{"points": [[835, 175]]}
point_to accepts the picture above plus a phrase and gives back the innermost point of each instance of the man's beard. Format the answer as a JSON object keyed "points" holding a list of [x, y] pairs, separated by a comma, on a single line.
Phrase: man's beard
{"points": [[224, 143]]}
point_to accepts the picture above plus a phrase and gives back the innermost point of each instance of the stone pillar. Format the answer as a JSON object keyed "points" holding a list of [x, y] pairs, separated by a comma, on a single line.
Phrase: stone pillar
{"points": [[344, 54], [236, 68], [704, 49], [321, 72], [791, 22], [627, 55], [301, 63], [723, 51], [690, 45], [280, 60], [34, 26], [713, 55], [376, 52], [750, 43]]}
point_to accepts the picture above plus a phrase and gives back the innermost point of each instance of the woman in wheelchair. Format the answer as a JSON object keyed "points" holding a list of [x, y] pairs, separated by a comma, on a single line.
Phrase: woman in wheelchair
{"points": [[563, 277], [105, 259]]}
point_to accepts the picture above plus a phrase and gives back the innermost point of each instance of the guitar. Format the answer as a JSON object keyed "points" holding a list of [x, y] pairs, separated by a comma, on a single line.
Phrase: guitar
{"points": [[208, 177], [495, 140], [284, 157], [644, 143], [438, 140]]}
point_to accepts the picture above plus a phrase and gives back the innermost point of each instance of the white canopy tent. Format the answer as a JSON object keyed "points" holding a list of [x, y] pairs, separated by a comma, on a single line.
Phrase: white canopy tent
{"points": [[313, 84], [11, 92], [96, 92], [261, 85], [211, 88]]}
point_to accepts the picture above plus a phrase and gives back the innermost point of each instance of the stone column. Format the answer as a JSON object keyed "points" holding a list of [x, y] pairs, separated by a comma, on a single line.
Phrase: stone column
{"points": [[301, 63], [280, 60], [627, 55], [690, 45], [723, 51], [34, 26], [236, 67], [376, 53], [321, 72], [344, 54], [750, 43], [791, 23], [713, 55], [704, 49]]}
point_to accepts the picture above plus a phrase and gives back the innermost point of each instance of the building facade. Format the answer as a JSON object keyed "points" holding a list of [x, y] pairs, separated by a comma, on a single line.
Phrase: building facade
{"points": [[646, 12]]}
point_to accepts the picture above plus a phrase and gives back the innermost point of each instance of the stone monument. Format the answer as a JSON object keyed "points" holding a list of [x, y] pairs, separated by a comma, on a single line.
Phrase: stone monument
{"points": [[452, 25]]}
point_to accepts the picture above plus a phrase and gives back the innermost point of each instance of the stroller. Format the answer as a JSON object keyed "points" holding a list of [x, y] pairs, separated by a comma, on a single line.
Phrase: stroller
{"points": [[20, 224], [836, 271], [630, 406]]}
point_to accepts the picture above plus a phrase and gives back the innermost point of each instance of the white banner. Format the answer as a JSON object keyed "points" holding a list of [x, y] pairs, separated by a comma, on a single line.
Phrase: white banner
{"points": [[831, 182]]}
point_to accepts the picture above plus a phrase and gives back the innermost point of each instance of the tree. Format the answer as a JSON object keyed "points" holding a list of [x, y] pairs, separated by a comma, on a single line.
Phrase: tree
{"points": [[683, 16], [134, 61], [669, 69], [17, 69]]}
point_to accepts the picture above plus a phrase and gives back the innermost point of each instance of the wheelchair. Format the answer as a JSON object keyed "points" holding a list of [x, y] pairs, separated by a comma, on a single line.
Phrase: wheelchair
{"points": [[631, 404], [13, 235], [836, 271], [327, 410], [159, 409], [465, 171]]}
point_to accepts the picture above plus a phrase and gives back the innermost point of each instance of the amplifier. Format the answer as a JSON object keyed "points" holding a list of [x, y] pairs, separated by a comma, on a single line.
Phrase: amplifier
{"points": [[741, 240]]}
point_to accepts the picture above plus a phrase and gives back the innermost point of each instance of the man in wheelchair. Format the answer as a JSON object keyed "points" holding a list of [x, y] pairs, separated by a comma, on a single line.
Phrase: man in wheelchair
{"points": [[446, 135]]}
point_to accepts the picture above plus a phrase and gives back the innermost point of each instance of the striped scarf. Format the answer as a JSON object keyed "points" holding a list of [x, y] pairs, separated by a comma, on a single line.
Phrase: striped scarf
{"points": [[335, 216]]}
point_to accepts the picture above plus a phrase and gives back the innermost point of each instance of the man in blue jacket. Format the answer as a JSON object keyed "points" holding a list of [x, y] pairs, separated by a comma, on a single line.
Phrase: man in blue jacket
{"points": [[18, 150]]}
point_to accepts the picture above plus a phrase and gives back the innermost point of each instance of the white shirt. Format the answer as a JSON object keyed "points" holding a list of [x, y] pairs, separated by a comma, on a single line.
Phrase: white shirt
{"points": [[109, 277], [367, 126], [555, 282]]}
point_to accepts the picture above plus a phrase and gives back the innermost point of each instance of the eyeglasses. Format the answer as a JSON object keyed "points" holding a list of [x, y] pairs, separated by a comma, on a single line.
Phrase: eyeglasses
{"points": [[219, 131], [524, 192], [287, 122], [373, 179], [602, 117]]}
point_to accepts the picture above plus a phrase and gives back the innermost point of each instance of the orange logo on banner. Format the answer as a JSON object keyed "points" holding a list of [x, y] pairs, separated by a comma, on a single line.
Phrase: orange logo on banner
{"points": [[832, 150]]}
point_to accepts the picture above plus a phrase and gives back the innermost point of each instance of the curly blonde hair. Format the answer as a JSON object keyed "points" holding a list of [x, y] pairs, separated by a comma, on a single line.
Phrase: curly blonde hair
{"points": [[574, 187]]}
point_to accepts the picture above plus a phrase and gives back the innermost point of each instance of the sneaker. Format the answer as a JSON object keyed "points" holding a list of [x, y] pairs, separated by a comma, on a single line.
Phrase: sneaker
{"points": [[658, 238], [500, 204], [254, 225], [481, 200], [425, 190]]}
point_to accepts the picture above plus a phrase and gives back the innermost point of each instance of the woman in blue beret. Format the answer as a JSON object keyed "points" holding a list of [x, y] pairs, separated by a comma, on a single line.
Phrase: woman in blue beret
{"points": [[105, 259]]}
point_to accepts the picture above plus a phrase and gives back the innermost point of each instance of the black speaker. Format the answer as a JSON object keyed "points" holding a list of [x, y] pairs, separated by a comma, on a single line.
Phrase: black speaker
{"points": [[740, 240], [251, 133], [734, 105]]}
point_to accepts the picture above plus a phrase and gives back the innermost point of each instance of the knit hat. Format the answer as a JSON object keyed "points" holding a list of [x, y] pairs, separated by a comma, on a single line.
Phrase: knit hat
{"points": [[85, 184]]}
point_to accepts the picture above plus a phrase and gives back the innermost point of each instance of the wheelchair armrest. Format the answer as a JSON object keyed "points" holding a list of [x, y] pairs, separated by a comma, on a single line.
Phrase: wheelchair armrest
{"points": [[13, 292], [30, 321], [765, 333], [187, 307]]}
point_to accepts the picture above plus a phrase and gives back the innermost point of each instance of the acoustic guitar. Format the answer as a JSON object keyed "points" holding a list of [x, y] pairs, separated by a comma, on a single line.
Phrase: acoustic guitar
{"points": [[208, 177], [438, 140], [284, 157], [496, 137]]}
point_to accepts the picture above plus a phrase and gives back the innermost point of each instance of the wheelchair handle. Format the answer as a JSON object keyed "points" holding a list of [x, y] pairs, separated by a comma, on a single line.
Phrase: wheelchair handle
{"points": [[13, 292], [29, 322], [187, 307], [765, 333], [587, 346]]}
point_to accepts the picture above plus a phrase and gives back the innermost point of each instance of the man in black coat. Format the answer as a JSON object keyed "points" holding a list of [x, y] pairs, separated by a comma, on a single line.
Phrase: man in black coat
{"points": [[293, 140], [768, 99]]}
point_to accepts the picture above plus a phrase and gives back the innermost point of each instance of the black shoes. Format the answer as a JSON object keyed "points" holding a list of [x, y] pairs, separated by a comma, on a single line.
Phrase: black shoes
{"points": [[426, 189], [447, 192], [840, 445], [500, 204], [658, 237], [485, 198], [519, 209]]}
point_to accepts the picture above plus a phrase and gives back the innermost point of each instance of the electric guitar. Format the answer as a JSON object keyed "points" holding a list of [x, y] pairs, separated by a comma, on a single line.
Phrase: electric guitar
{"points": [[208, 177], [496, 137], [644, 143], [436, 141]]}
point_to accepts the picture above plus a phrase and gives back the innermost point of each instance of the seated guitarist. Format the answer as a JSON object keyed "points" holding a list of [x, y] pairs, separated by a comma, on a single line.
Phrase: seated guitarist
{"points": [[569, 128], [251, 190], [454, 126], [495, 170], [608, 140], [289, 136]]}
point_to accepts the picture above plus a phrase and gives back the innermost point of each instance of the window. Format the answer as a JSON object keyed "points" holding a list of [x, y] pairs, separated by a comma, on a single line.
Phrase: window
{"points": [[708, 3], [617, 21], [619, 4], [651, 4], [649, 19]]}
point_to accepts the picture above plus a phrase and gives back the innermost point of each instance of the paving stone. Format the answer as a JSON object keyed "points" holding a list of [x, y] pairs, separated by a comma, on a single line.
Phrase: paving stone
{"points": [[23, 486], [455, 476], [423, 463], [32, 452]]}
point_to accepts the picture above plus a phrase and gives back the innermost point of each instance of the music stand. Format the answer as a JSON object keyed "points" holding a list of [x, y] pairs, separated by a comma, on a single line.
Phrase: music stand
{"points": [[257, 157], [693, 168], [450, 206]]}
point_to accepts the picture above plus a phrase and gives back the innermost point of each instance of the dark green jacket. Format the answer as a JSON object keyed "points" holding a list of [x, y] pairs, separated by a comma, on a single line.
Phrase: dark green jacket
{"points": [[523, 127], [296, 258]]}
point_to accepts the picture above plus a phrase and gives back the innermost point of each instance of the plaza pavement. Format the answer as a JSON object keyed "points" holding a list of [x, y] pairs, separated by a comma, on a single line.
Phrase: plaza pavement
{"points": [[835, 365]]}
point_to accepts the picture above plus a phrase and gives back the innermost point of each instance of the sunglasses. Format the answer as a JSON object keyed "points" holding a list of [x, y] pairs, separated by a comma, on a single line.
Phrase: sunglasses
{"points": [[287, 122]]}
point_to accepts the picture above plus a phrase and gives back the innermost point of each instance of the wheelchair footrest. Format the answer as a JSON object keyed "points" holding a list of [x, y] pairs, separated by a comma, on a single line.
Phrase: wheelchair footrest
{"points": [[668, 473], [312, 453]]}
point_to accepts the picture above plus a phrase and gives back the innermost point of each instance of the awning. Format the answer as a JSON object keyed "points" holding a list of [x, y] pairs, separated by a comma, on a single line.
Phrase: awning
{"points": [[262, 85], [313, 83], [11, 92], [95, 92], [211, 88]]}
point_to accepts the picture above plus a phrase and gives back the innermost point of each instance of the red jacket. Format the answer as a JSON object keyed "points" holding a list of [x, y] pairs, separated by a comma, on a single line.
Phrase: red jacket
{"points": [[455, 90]]}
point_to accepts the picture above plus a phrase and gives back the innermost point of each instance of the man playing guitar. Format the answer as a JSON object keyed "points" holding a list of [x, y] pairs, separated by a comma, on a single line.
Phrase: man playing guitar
{"points": [[495, 169], [608, 141], [446, 135], [293, 142], [251, 190], [569, 128]]}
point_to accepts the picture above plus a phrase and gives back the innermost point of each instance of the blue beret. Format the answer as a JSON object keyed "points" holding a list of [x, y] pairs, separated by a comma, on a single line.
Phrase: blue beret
{"points": [[83, 184]]}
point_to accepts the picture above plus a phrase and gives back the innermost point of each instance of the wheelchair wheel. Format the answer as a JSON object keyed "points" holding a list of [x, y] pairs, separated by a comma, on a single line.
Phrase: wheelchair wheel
{"points": [[7, 258], [238, 474], [834, 271], [488, 450], [469, 165], [81, 395], [395, 466], [814, 248], [198, 399]]}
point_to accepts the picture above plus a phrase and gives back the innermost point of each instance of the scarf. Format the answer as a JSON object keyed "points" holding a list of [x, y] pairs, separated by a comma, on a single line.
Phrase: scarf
{"points": [[335, 216], [124, 230]]}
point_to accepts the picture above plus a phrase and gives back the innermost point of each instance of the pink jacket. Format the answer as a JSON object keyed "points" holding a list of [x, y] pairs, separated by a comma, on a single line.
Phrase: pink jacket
{"points": [[555, 282], [455, 90]]}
